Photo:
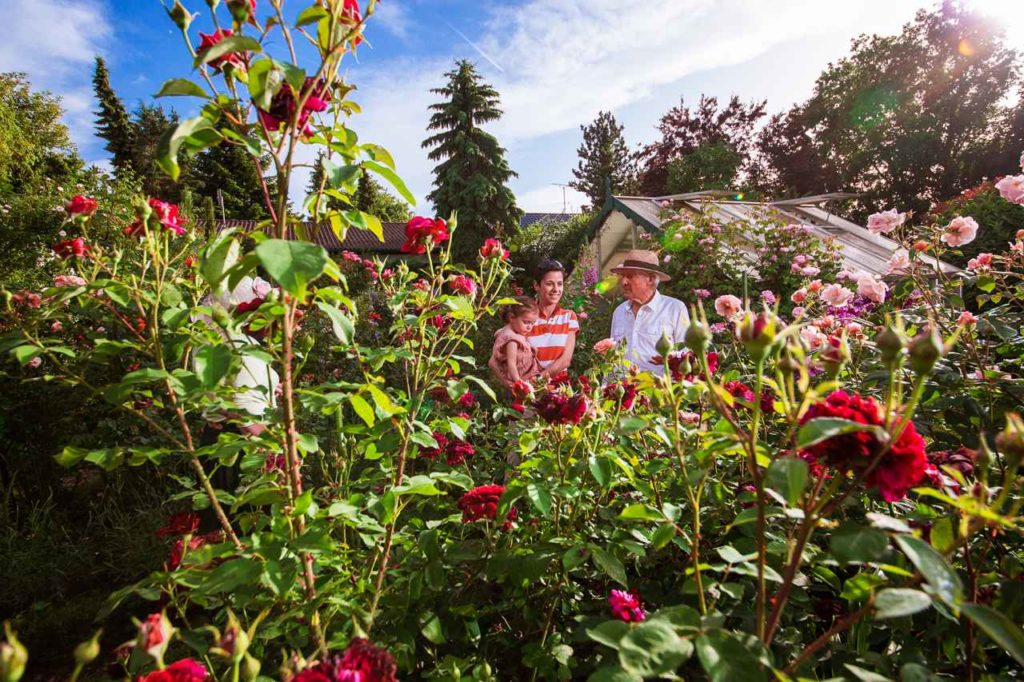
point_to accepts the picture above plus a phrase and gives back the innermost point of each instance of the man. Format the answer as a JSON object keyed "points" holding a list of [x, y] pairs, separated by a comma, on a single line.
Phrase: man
{"points": [[646, 314], [554, 333]]}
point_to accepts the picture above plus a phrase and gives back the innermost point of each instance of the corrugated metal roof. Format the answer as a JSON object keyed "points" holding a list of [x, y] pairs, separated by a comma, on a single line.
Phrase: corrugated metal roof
{"points": [[860, 249]]}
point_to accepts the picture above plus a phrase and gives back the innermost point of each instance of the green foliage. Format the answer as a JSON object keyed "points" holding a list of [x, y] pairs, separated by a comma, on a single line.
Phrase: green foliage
{"points": [[605, 161], [998, 220], [709, 166], [544, 239], [472, 171], [927, 105], [372, 198], [34, 145], [230, 170]]}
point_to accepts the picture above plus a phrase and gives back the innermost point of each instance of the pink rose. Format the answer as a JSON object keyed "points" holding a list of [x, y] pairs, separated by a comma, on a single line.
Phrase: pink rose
{"points": [[981, 263], [799, 296], [966, 318], [813, 337], [871, 288], [768, 297], [886, 221], [34, 362], [836, 295], [68, 281], [960, 231], [898, 261], [854, 329], [799, 312], [1012, 188], [728, 306], [463, 285], [56, 326], [815, 286]]}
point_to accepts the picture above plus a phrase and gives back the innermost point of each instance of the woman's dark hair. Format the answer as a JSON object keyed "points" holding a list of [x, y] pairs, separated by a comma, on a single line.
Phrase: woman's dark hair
{"points": [[522, 304], [548, 265]]}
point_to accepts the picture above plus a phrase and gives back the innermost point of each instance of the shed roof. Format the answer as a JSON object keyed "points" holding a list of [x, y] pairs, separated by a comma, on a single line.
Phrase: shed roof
{"points": [[860, 249]]}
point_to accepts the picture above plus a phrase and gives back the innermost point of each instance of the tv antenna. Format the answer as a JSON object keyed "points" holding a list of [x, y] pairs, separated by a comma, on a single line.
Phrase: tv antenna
{"points": [[563, 186]]}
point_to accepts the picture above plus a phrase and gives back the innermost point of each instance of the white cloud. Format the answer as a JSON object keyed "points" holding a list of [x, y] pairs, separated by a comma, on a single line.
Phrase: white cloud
{"points": [[392, 17], [550, 199], [562, 61], [54, 42]]}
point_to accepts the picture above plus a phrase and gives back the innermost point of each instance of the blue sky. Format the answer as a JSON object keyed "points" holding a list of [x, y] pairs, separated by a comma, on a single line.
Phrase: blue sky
{"points": [[556, 64]]}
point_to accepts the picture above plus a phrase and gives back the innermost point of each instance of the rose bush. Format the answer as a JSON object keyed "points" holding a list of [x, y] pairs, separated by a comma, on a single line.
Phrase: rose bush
{"points": [[793, 502]]}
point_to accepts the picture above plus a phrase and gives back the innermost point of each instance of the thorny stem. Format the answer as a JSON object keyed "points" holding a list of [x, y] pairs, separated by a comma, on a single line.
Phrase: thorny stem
{"points": [[841, 625]]}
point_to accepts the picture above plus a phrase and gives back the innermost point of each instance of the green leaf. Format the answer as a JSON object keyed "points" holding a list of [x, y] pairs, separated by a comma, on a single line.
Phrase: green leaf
{"points": [[653, 648], [642, 512], [212, 364], [540, 496], [265, 80], [865, 675], [727, 659], [900, 601], [663, 535], [292, 264], [229, 576], [227, 46], [996, 625], [71, 456], [431, 628], [172, 139], [219, 257], [609, 633], [181, 87], [392, 177], [855, 544], [280, 579], [600, 469], [383, 401], [823, 428], [418, 485], [607, 562], [310, 15], [362, 408], [341, 324], [939, 574], [613, 674], [788, 476]]}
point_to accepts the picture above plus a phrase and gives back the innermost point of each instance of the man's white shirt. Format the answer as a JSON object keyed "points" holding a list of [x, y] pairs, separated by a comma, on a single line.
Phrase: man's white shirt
{"points": [[662, 314]]}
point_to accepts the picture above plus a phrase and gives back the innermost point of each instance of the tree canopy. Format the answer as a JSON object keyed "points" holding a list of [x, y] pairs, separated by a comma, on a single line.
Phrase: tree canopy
{"points": [[472, 172], [604, 159]]}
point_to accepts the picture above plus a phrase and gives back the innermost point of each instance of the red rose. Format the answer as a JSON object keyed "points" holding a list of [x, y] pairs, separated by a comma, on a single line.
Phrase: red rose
{"points": [[739, 390], [81, 206], [462, 284], [282, 107], [361, 662], [163, 214], [185, 670], [493, 248], [624, 393], [351, 16], [467, 400], [154, 635], [902, 466], [627, 606], [71, 247], [482, 503], [180, 524], [207, 41], [556, 407], [421, 232]]}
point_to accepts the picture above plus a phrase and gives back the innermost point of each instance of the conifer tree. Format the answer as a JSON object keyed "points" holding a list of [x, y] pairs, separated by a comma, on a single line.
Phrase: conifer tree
{"points": [[112, 121], [230, 169], [604, 157], [472, 171], [375, 199]]}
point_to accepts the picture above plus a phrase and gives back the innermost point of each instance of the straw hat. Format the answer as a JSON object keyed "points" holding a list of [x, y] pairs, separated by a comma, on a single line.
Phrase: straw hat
{"points": [[646, 261]]}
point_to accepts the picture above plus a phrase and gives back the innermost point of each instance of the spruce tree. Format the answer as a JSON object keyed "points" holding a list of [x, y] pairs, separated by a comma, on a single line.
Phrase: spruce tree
{"points": [[112, 121], [148, 124], [604, 157], [472, 171], [376, 200], [230, 169]]}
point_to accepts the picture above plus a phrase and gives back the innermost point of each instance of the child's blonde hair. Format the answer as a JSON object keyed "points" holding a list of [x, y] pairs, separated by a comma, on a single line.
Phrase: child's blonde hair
{"points": [[522, 304]]}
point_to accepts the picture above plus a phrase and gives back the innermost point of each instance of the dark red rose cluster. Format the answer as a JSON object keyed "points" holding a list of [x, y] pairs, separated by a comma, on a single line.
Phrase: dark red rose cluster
{"points": [[421, 232], [482, 503], [455, 450], [362, 661]]}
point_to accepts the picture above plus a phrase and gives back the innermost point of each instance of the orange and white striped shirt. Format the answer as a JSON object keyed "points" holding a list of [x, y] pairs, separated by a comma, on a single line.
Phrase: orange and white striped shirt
{"points": [[550, 335]]}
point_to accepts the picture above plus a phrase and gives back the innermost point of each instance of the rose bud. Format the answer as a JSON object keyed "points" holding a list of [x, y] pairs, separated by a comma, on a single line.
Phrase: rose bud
{"points": [[1010, 441], [757, 332], [891, 342], [250, 668], [664, 345], [925, 350], [180, 16], [154, 636], [87, 651], [697, 337], [13, 657], [834, 354]]}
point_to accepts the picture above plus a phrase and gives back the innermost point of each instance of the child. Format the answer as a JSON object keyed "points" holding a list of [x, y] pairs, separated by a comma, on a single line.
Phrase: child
{"points": [[513, 358]]}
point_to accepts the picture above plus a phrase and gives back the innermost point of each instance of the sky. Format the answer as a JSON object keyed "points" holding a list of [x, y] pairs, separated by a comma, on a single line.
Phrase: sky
{"points": [[555, 63]]}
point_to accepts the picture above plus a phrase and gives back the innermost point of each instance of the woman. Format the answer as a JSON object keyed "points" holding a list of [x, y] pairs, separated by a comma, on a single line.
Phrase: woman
{"points": [[554, 333]]}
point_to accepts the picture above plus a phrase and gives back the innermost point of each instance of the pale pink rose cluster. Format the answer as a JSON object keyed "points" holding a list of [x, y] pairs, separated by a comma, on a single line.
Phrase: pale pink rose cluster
{"points": [[898, 262], [728, 306], [1012, 188], [61, 281], [803, 265], [966, 318], [836, 295], [961, 230], [886, 221], [871, 287], [981, 263]]}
